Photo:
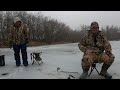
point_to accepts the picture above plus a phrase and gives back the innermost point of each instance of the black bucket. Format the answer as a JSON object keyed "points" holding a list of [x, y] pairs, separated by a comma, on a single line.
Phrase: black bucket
{"points": [[2, 60]]}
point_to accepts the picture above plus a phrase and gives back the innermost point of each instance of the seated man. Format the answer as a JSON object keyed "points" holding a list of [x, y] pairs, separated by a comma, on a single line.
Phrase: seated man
{"points": [[96, 47]]}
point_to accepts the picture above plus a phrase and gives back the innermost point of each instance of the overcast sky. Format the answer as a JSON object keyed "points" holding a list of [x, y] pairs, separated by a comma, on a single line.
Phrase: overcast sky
{"points": [[76, 18]]}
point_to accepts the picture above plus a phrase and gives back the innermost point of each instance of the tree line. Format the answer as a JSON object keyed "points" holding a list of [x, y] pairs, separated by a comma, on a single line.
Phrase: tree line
{"points": [[49, 30], [111, 32]]}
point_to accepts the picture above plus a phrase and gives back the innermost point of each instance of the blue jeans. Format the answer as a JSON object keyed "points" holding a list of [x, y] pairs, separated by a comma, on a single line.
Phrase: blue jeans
{"points": [[23, 49]]}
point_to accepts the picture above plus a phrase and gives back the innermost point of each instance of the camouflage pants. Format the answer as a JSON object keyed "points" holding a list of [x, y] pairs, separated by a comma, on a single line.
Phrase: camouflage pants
{"points": [[88, 59]]}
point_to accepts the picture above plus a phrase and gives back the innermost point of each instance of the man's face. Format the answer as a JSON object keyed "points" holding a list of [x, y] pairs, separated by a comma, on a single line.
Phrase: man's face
{"points": [[18, 23], [95, 29]]}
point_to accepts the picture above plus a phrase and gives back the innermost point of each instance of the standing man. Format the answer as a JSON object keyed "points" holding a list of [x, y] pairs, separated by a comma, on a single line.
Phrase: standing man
{"points": [[96, 47], [18, 38]]}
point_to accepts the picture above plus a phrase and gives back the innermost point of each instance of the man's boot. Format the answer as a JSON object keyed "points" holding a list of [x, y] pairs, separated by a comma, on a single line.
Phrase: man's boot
{"points": [[84, 74], [104, 71]]}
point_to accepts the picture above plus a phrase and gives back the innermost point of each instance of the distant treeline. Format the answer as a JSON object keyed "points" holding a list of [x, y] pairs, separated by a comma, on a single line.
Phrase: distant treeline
{"points": [[46, 29], [111, 32]]}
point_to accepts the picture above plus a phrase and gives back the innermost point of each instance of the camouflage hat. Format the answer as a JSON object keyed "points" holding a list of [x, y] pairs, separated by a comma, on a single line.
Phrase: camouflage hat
{"points": [[94, 24]]}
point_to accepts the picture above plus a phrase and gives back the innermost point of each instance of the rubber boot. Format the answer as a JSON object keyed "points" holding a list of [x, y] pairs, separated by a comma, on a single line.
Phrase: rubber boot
{"points": [[104, 71], [84, 74]]}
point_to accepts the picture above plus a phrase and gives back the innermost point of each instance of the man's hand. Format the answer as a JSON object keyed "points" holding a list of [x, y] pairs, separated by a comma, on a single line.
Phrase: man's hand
{"points": [[95, 50]]}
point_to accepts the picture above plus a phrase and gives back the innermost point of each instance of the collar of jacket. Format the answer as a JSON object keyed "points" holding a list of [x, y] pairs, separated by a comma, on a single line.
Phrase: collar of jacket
{"points": [[90, 33]]}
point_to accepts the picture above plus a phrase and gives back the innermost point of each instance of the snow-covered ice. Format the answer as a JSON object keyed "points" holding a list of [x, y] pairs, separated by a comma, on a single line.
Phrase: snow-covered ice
{"points": [[66, 56]]}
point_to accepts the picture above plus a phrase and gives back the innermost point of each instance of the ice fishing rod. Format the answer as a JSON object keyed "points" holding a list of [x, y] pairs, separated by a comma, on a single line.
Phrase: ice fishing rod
{"points": [[69, 77], [58, 69]]}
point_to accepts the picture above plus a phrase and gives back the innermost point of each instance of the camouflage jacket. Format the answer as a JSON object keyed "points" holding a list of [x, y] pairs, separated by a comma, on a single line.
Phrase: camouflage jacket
{"points": [[18, 35], [101, 45]]}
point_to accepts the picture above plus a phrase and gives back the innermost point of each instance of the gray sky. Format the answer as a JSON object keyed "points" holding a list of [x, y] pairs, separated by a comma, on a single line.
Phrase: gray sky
{"points": [[76, 18]]}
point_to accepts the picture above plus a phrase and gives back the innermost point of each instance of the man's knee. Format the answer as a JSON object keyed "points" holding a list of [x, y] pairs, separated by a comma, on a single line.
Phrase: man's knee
{"points": [[87, 61], [110, 60]]}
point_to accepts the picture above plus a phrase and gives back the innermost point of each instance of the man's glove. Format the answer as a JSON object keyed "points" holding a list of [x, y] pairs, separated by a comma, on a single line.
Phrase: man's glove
{"points": [[96, 50], [92, 50]]}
